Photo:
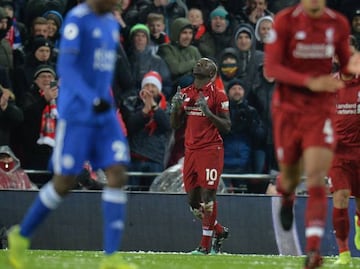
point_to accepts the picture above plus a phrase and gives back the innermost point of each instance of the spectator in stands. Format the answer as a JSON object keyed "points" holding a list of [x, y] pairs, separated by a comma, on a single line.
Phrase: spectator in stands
{"points": [[156, 24], [253, 11], [180, 55], [39, 27], [6, 55], [171, 10], [54, 20], [17, 33], [195, 16], [24, 74], [10, 115], [124, 82], [12, 176], [219, 35], [262, 29], [260, 98], [249, 58], [355, 25], [142, 60], [228, 65], [206, 6], [39, 107], [246, 129], [148, 126]]}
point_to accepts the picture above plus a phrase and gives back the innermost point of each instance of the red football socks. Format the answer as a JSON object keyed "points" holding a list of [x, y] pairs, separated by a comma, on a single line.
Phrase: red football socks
{"points": [[341, 226], [315, 217]]}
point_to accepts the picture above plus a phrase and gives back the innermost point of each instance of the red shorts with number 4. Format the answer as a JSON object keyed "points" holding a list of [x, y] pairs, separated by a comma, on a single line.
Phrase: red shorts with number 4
{"points": [[203, 168], [345, 175], [294, 132]]}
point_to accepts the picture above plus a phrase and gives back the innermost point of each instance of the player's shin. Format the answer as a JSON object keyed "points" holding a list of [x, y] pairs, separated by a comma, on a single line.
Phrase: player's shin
{"points": [[47, 200], [315, 217], [208, 222], [341, 226], [113, 202]]}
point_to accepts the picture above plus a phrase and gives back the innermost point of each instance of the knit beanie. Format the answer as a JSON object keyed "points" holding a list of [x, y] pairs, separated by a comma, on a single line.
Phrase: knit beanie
{"points": [[140, 27], [152, 77], [245, 30], [233, 82], [55, 16], [221, 12], [40, 41], [44, 68]]}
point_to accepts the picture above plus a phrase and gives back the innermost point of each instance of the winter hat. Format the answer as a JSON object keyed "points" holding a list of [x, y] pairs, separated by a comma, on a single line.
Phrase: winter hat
{"points": [[140, 27], [241, 30], [355, 13], [44, 68], [152, 77], [235, 81], [221, 12], [258, 23], [40, 41], [55, 16]]}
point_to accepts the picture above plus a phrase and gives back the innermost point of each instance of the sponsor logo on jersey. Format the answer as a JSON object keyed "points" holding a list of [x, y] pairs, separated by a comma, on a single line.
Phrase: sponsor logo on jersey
{"points": [[104, 59], [347, 108], [313, 51]]}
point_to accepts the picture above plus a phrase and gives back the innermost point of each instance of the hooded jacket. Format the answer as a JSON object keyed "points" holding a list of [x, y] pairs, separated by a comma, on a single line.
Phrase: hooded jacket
{"points": [[11, 174], [180, 60], [259, 43], [250, 60]]}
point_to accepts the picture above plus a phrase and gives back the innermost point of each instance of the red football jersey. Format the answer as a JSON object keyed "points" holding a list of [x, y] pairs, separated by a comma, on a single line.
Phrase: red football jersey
{"points": [[300, 47], [200, 132], [347, 120]]}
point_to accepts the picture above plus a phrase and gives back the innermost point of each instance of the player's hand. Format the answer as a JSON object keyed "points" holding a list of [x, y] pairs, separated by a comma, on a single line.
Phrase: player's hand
{"points": [[202, 103], [326, 83], [177, 99], [354, 64]]}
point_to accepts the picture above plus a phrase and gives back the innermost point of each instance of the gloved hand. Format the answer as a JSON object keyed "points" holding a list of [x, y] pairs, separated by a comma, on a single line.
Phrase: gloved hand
{"points": [[202, 103], [177, 99]]}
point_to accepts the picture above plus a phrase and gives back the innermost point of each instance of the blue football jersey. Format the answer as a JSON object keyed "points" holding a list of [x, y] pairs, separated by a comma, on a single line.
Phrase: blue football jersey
{"points": [[86, 60]]}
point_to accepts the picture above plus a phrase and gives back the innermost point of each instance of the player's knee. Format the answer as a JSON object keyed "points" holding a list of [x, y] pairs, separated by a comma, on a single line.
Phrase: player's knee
{"points": [[341, 198], [116, 176], [197, 212], [208, 207]]}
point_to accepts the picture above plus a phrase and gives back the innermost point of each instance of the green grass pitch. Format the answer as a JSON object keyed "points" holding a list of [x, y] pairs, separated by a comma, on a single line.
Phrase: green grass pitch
{"points": [[48, 259]]}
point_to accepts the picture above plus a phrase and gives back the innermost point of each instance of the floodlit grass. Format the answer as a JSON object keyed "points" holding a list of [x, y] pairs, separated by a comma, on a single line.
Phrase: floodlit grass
{"points": [[46, 259]]}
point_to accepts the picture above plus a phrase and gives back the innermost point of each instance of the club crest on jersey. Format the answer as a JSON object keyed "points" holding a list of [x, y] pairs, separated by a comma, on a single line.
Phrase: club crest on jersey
{"points": [[300, 35]]}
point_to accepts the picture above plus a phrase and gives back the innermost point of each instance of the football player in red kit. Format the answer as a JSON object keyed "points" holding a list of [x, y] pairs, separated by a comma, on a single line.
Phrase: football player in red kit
{"points": [[205, 110], [344, 174], [299, 54]]}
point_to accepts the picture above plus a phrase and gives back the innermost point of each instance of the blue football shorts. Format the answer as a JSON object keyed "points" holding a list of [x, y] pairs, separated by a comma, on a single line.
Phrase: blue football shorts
{"points": [[102, 145]]}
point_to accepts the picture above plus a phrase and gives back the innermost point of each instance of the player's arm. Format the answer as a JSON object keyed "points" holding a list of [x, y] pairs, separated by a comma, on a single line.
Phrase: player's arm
{"points": [[276, 45], [177, 115], [221, 119]]}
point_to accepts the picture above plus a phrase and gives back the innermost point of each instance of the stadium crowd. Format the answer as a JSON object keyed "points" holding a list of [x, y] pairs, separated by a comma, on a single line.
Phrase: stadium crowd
{"points": [[161, 41]]}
